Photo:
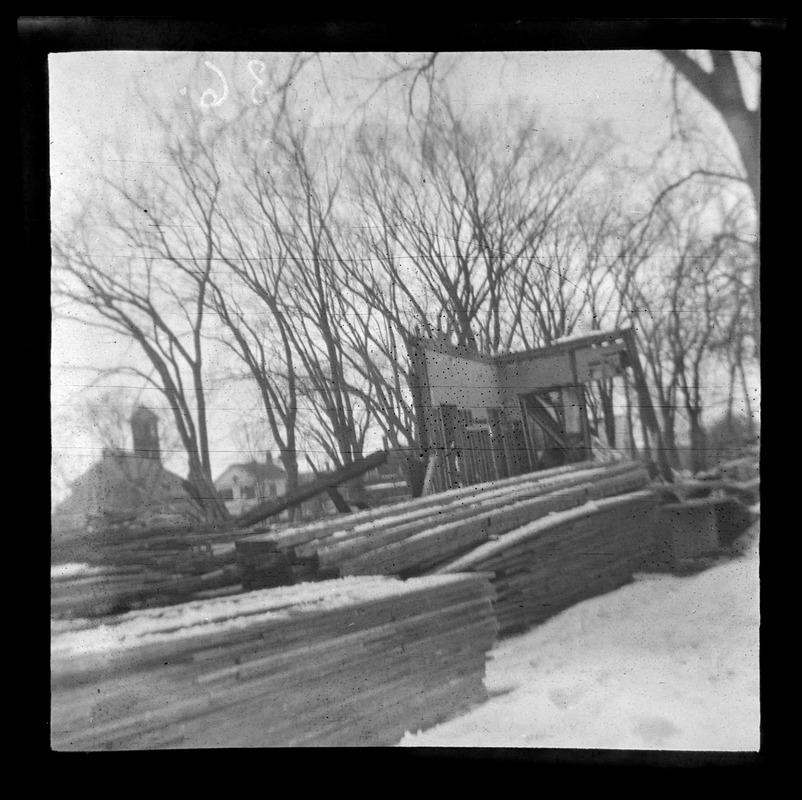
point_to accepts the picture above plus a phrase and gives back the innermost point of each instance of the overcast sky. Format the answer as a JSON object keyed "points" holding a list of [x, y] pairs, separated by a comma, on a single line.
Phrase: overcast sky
{"points": [[100, 97]]}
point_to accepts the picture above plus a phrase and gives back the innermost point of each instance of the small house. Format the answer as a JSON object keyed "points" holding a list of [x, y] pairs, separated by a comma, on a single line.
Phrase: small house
{"points": [[243, 486]]}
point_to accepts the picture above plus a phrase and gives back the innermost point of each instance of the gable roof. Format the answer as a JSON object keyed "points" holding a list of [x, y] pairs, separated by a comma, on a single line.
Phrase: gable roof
{"points": [[260, 471], [124, 482]]}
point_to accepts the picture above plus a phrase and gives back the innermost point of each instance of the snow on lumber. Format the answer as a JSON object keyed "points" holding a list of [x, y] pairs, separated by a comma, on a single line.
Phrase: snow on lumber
{"points": [[140, 567], [409, 539], [344, 662], [67, 571], [299, 534], [199, 618], [465, 508], [437, 544]]}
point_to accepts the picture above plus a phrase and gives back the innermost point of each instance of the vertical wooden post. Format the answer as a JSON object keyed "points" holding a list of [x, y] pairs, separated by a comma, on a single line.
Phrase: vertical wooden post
{"points": [[579, 389], [419, 388], [428, 481], [647, 412], [421, 398], [531, 448]]}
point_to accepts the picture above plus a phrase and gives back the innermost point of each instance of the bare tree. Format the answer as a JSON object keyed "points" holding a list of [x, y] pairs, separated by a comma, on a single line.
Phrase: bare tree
{"points": [[723, 87], [681, 296], [258, 328], [455, 222], [106, 419], [293, 192], [151, 286]]}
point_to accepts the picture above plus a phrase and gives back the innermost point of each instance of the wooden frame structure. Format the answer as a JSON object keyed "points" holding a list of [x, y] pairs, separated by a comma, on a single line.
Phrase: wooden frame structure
{"points": [[486, 418]]}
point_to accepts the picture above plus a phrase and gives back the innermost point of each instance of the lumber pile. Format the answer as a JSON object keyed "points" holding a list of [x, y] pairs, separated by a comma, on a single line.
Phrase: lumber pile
{"points": [[737, 479], [747, 492], [356, 661], [688, 534], [126, 568], [411, 538], [556, 561]]}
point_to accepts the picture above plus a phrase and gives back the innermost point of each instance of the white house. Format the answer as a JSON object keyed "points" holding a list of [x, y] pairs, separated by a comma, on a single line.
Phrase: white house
{"points": [[243, 486]]}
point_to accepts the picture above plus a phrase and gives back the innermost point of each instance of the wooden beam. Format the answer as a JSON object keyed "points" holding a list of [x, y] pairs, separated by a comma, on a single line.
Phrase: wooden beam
{"points": [[647, 412], [338, 500], [321, 484], [561, 347]]}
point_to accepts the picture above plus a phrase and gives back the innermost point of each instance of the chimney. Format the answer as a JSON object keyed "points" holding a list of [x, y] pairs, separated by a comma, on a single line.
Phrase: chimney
{"points": [[145, 430]]}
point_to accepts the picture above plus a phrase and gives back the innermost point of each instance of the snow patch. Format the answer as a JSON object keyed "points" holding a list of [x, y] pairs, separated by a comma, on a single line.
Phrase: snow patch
{"points": [[666, 662]]}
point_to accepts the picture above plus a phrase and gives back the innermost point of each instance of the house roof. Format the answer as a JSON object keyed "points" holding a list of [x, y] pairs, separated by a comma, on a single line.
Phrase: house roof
{"points": [[260, 471], [123, 481]]}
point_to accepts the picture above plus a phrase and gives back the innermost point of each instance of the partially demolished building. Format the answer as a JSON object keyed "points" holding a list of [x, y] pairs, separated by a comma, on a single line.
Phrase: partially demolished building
{"points": [[486, 418]]}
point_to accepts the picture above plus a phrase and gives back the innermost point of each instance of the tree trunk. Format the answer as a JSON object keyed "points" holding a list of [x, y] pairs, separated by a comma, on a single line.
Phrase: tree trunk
{"points": [[289, 459], [747, 401], [633, 448], [722, 89], [415, 469], [698, 441], [213, 507]]}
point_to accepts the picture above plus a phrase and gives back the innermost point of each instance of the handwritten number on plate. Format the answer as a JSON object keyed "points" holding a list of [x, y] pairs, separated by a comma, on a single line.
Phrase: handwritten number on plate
{"points": [[209, 99], [255, 67]]}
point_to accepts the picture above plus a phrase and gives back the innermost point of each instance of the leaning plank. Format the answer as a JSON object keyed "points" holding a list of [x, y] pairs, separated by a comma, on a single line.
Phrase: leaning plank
{"points": [[321, 484], [296, 535], [484, 553], [443, 541], [375, 535]]}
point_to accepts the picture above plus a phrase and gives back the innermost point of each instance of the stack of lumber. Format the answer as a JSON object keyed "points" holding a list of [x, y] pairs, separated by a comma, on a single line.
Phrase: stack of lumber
{"points": [[81, 590], [125, 569], [189, 551], [747, 492], [386, 493], [357, 661], [689, 534], [554, 562], [411, 538], [738, 479], [701, 517]]}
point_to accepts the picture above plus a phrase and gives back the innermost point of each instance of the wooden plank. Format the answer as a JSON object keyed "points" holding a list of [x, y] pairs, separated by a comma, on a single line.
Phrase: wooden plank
{"points": [[428, 480], [419, 657], [484, 552], [363, 539], [321, 484], [295, 536]]}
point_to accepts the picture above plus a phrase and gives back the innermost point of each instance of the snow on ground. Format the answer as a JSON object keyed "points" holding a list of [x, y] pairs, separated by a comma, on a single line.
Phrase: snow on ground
{"points": [[667, 662]]}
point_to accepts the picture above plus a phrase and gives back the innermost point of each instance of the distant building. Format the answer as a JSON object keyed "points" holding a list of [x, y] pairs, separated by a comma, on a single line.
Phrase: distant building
{"points": [[243, 486], [125, 485]]}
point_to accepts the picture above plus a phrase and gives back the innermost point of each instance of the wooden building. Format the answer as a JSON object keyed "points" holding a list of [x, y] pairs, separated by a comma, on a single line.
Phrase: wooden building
{"points": [[124, 486], [244, 486], [484, 418]]}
